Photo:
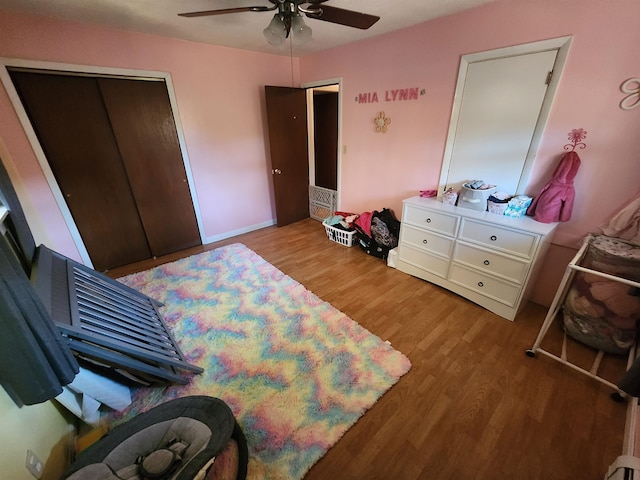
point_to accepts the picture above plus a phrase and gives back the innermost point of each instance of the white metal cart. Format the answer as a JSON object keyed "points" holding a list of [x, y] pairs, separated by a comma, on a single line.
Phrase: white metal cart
{"points": [[572, 269], [627, 465]]}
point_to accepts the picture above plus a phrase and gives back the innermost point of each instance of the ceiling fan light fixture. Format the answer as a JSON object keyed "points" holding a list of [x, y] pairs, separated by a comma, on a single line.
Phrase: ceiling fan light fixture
{"points": [[301, 31], [276, 31], [289, 20]]}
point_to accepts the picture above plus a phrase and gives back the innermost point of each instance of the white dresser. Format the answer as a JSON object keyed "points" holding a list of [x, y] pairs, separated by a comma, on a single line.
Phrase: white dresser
{"points": [[490, 259]]}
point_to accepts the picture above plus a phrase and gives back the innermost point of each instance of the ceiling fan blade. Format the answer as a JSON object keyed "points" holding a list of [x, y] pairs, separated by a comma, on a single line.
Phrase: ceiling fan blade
{"points": [[341, 16], [206, 13]]}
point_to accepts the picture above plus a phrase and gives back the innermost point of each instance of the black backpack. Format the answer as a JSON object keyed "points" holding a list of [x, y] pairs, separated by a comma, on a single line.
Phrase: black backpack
{"points": [[385, 229]]}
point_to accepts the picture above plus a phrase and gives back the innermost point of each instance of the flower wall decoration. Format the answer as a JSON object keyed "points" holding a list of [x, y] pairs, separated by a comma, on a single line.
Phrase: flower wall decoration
{"points": [[576, 136], [381, 122]]}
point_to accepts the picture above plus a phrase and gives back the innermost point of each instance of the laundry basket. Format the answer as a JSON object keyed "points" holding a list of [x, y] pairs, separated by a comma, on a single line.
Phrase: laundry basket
{"points": [[343, 237]]}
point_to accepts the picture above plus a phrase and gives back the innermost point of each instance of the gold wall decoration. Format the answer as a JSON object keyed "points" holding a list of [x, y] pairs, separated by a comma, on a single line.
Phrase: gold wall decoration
{"points": [[632, 87], [381, 122]]}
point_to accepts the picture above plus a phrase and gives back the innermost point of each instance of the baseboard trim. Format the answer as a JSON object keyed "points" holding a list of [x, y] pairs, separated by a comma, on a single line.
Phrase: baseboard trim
{"points": [[240, 231]]}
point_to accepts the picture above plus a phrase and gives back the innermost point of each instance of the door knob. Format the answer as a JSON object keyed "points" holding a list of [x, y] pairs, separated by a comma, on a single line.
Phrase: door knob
{"points": [[277, 171]]}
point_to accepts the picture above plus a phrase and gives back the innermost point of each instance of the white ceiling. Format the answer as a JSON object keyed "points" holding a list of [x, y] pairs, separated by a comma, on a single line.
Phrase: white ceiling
{"points": [[238, 30]]}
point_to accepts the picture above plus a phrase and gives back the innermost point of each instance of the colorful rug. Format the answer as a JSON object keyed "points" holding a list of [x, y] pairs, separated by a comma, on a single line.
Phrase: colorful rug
{"points": [[296, 372]]}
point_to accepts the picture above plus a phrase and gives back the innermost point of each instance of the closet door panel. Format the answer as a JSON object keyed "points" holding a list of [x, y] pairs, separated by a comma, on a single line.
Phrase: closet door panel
{"points": [[142, 122], [86, 163]]}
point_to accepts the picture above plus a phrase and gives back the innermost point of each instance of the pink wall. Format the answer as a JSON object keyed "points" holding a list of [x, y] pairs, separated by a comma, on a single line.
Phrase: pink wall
{"points": [[379, 170], [382, 169], [220, 97]]}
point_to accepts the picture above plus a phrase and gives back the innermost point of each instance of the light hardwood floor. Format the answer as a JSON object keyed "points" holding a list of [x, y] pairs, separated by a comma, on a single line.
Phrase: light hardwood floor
{"points": [[473, 405]]}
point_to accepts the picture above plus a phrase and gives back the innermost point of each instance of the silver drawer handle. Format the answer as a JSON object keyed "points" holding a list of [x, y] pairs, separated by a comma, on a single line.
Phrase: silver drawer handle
{"points": [[425, 241], [493, 238], [428, 220], [480, 284], [486, 262]]}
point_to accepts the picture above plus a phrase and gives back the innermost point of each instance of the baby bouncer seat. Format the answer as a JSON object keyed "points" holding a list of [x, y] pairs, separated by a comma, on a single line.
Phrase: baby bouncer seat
{"points": [[187, 438]]}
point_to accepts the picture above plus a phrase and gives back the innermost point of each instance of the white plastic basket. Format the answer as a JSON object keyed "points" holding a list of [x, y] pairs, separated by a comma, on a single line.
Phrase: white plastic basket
{"points": [[343, 237]]}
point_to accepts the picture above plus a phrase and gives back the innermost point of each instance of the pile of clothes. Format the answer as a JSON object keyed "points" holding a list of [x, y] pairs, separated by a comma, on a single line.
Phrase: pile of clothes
{"points": [[342, 220], [599, 311], [377, 232]]}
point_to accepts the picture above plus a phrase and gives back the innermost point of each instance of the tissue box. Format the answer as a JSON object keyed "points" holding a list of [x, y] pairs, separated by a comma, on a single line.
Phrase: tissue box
{"points": [[517, 206]]}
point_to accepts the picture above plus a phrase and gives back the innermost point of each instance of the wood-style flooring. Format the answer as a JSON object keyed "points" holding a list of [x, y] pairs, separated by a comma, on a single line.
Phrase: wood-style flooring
{"points": [[473, 405]]}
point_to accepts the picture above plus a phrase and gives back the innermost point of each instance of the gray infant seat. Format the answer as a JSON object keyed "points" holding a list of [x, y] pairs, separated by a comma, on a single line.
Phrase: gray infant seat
{"points": [[177, 440]]}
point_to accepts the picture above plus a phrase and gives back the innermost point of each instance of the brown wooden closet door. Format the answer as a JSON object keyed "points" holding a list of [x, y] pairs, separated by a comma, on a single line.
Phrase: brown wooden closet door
{"points": [[143, 124], [72, 126]]}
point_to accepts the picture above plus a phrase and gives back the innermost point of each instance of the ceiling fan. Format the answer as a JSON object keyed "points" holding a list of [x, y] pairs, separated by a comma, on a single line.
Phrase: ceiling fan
{"points": [[288, 18]]}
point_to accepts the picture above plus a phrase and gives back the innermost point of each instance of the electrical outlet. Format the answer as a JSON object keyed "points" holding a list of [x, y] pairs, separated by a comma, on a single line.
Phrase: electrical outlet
{"points": [[34, 465]]}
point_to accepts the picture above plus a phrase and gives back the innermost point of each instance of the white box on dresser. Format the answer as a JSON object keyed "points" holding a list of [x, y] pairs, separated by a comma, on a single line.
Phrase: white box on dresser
{"points": [[489, 259]]}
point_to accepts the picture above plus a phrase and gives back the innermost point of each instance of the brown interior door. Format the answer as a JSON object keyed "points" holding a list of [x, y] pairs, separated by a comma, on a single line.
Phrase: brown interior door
{"points": [[142, 121], [287, 121], [74, 131], [325, 147]]}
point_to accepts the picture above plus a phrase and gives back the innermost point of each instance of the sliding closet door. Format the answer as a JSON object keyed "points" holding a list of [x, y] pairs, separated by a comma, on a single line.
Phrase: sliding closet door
{"points": [[113, 147], [142, 121], [69, 118]]}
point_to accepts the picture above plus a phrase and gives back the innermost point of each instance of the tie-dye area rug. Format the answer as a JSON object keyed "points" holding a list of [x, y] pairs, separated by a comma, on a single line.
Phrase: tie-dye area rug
{"points": [[296, 372]]}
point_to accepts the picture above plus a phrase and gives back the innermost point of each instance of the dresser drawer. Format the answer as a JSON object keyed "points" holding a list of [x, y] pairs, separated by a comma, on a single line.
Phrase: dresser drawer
{"points": [[434, 221], [509, 268], [427, 240], [423, 260], [485, 284], [519, 243]]}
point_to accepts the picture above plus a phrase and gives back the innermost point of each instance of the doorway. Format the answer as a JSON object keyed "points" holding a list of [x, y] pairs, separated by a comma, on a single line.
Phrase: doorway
{"points": [[323, 101], [304, 139]]}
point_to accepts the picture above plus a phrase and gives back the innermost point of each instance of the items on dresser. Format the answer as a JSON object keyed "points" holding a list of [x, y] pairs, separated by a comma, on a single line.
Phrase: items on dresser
{"points": [[497, 202], [450, 196], [489, 259], [475, 194], [517, 206]]}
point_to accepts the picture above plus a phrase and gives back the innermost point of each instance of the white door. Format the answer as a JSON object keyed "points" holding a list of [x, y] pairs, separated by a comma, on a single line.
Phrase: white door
{"points": [[501, 102]]}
